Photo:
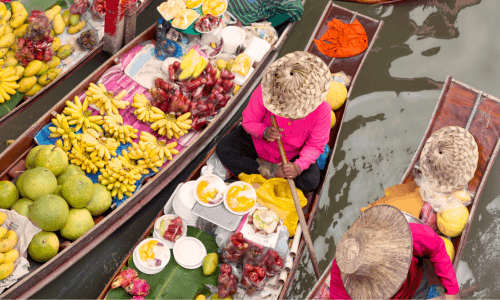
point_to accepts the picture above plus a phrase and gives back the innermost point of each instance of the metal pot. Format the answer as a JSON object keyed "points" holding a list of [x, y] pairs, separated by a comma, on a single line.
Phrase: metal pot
{"points": [[411, 219]]}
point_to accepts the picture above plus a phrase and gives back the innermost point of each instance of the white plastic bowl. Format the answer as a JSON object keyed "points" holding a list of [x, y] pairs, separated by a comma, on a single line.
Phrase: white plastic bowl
{"points": [[240, 183], [220, 185], [157, 233], [233, 37], [140, 264], [189, 252]]}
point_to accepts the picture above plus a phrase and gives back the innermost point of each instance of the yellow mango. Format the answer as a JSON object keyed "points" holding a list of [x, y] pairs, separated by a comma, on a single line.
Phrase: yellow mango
{"points": [[14, 46], [32, 68], [26, 84], [58, 24], [6, 269], [47, 78], [10, 62], [43, 69], [2, 258], [11, 255], [17, 6], [2, 62], [3, 10], [7, 17], [65, 16], [4, 51], [21, 30], [35, 89], [56, 44], [3, 25], [54, 62], [19, 70], [8, 29], [3, 231], [79, 26], [65, 51], [51, 13], [18, 18], [10, 53], [7, 40], [3, 217], [8, 242], [57, 71]]}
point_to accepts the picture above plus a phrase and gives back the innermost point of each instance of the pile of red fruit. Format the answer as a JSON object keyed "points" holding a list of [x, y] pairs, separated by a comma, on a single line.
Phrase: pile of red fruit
{"points": [[79, 7], [174, 230], [273, 263], [253, 271], [98, 9], [228, 282], [207, 23], [202, 96], [28, 50], [235, 248]]}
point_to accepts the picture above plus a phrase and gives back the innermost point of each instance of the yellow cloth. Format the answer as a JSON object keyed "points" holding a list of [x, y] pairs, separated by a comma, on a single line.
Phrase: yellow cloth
{"points": [[405, 197]]}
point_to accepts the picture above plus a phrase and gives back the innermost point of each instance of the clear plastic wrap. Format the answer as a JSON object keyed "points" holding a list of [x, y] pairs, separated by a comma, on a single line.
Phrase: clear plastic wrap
{"points": [[442, 202], [98, 9], [273, 262], [254, 271], [228, 281], [235, 248], [263, 30], [342, 77]]}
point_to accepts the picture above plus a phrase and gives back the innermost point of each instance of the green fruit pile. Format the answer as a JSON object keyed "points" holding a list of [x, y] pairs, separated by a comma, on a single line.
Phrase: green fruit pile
{"points": [[55, 196]]}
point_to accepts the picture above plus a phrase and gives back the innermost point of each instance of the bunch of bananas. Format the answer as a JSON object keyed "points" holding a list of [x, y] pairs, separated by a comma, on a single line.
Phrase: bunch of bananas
{"points": [[79, 157], [125, 156], [172, 127], [106, 101], [81, 117], [164, 150], [146, 156], [8, 84], [98, 145], [113, 125], [64, 131], [144, 108], [120, 177]]}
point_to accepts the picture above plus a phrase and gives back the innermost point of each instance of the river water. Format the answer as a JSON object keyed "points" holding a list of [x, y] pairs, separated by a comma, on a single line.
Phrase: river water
{"points": [[420, 44]]}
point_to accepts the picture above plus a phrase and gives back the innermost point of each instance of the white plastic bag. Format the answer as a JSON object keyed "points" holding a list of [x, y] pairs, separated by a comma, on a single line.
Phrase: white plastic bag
{"points": [[441, 202]]}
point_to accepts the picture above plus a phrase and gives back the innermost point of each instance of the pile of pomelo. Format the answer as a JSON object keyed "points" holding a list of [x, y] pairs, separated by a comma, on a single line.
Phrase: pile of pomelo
{"points": [[55, 196]]}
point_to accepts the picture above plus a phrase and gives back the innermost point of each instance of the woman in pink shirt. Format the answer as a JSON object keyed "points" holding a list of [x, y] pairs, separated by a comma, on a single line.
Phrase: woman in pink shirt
{"points": [[381, 257], [303, 121]]}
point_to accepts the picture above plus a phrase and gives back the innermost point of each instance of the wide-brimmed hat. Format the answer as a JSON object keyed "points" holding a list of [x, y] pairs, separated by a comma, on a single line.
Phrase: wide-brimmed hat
{"points": [[449, 159], [295, 85], [374, 255]]}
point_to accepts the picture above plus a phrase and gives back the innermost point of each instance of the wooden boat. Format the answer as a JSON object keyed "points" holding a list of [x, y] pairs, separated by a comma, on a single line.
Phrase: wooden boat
{"points": [[374, 1], [351, 66], [28, 101], [12, 162], [459, 105]]}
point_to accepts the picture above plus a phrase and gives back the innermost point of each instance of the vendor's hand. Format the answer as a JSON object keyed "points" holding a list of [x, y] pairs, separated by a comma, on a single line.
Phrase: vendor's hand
{"points": [[272, 133], [289, 170]]}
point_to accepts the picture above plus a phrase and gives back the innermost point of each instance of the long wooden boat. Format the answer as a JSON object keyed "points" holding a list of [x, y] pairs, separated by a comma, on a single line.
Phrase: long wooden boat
{"points": [[12, 162], [459, 105], [26, 102], [374, 1], [351, 66]]}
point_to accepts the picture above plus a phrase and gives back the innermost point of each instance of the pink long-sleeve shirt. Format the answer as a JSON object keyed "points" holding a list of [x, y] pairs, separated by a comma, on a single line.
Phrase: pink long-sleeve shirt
{"points": [[426, 244], [305, 137]]}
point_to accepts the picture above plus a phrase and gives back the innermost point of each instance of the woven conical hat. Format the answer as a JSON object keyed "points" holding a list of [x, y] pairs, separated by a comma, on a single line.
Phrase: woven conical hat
{"points": [[374, 255], [449, 159], [295, 85]]}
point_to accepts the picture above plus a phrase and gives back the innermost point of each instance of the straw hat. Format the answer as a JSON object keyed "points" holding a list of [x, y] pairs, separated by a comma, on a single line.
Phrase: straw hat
{"points": [[374, 255], [449, 159], [295, 85]]}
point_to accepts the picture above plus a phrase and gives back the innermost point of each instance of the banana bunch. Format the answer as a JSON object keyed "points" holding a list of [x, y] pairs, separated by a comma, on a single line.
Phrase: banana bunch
{"points": [[8, 84], [120, 177], [164, 150], [106, 101], [146, 156], [125, 156], [81, 117], [98, 145], [79, 157], [144, 108], [172, 127], [64, 131], [113, 125]]}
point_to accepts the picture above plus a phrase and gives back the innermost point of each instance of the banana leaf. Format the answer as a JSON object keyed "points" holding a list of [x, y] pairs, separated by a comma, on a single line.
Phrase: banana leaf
{"points": [[175, 282], [7, 106]]}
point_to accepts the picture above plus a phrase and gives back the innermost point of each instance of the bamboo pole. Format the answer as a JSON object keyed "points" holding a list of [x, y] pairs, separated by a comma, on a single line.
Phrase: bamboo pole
{"points": [[298, 208]]}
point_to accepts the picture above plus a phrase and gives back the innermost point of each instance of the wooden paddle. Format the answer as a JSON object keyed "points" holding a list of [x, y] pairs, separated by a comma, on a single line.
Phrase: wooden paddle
{"points": [[298, 208]]}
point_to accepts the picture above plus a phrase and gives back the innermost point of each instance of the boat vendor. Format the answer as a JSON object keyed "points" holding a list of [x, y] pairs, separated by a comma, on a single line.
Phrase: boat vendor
{"points": [[294, 90], [381, 257]]}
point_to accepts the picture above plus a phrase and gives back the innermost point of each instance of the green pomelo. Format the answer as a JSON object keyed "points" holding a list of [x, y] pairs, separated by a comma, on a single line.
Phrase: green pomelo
{"points": [[101, 200], [22, 206], [19, 183], [79, 221], [31, 156], [58, 191], [52, 158], [49, 212], [43, 246], [69, 171], [78, 190], [39, 182], [8, 194]]}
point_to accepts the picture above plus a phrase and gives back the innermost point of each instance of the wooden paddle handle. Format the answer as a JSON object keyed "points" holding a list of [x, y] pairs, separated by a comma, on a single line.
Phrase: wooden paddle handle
{"points": [[298, 208]]}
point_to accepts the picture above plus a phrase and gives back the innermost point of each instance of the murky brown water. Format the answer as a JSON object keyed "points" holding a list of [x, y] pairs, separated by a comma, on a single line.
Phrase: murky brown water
{"points": [[421, 43]]}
